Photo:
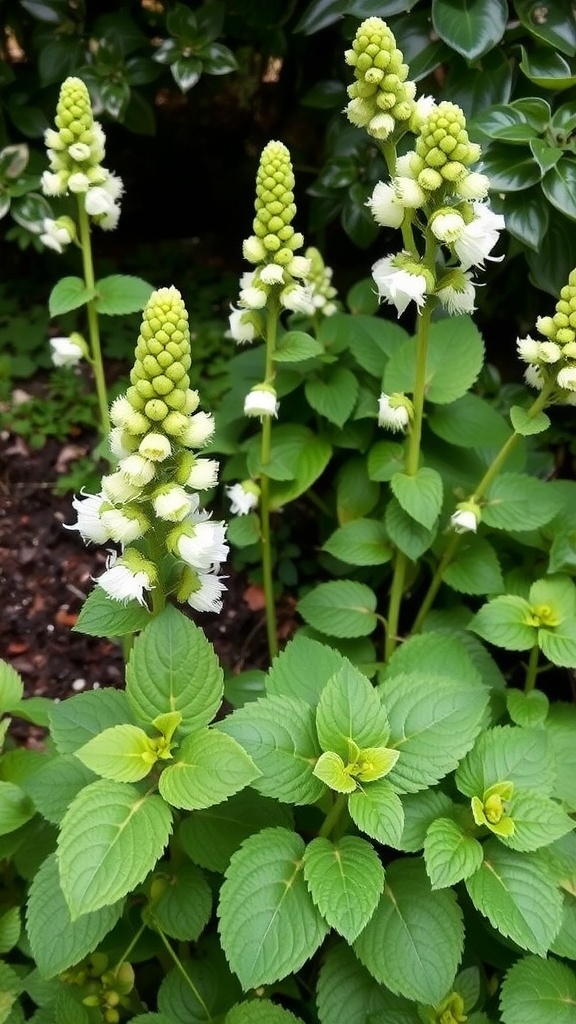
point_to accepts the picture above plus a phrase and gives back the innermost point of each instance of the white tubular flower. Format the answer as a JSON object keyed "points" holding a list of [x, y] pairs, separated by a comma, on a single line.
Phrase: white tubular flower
{"points": [[447, 225], [120, 411], [136, 470], [97, 201], [202, 545], [533, 377], [550, 352], [57, 234], [466, 517], [272, 274], [394, 412], [241, 327], [125, 525], [458, 296], [408, 193], [53, 183], [67, 351], [479, 237], [528, 349], [567, 378], [253, 250], [261, 401], [298, 298], [397, 285], [79, 152], [198, 431], [90, 525], [299, 266], [208, 596], [155, 446], [385, 207], [127, 578], [203, 475], [472, 186], [78, 183], [117, 441], [243, 497], [253, 298], [381, 126], [171, 503], [422, 109], [117, 489]]}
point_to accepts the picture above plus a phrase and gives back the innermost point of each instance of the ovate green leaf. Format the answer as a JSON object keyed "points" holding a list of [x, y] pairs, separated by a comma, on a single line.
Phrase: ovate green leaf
{"points": [[70, 293], [210, 837], [121, 293], [11, 687], [538, 821], [350, 709], [449, 853], [333, 396], [472, 27], [377, 810], [208, 768], [16, 808], [123, 753], [536, 990], [516, 501], [75, 721], [419, 495], [302, 669], [181, 902], [475, 568], [508, 754], [446, 378], [360, 542], [341, 608], [260, 1011], [345, 880]]}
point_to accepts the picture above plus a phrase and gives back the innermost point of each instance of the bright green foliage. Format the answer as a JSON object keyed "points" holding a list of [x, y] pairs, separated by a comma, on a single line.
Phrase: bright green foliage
{"points": [[208, 768], [360, 542], [446, 379], [527, 709], [10, 928], [535, 990], [269, 924], [345, 880], [180, 901], [260, 1011], [348, 994], [16, 808], [547, 618], [521, 756], [377, 811], [342, 608], [449, 853], [124, 753], [211, 836], [419, 495], [350, 709]]}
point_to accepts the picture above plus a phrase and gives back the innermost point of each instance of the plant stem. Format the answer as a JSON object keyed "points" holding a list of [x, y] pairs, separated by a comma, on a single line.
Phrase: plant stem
{"points": [[331, 819], [507, 448], [411, 469], [130, 947], [532, 669], [265, 448], [92, 316], [184, 973]]}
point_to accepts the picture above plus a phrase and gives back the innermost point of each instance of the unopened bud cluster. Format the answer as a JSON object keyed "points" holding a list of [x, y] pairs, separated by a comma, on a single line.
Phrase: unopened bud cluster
{"points": [[381, 98], [104, 989], [156, 432], [320, 283], [554, 358], [76, 149]]}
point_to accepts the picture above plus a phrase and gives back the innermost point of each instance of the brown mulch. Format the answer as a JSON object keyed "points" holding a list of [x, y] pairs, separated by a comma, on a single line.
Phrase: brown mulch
{"points": [[47, 571]]}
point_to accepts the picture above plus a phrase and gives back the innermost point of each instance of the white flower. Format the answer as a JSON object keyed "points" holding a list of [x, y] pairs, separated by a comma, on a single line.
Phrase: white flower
{"points": [[120, 411], [241, 328], [78, 182], [385, 207], [408, 193], [299, 266], [299, 299], [253, 249], [528, 349], [550, 352], [127, 579], [398, 286], [208, 597], [154, 446], [423, 107], [124, 526], [464, 520], [97, 201], [242, 500], [253, 298], [394, 412], [203, 475], [272, 274], [199, 429], [79, 151], [204, 545], [567, 378], [117, 440], [171, 503], [261, 401], [381, 126], [55, 236], [472, 186], [53, 184], [137, 470], [479, 237], [459, 296], [66, 351], [117, 489], [447, 225], [533, 377], [90, 525]]}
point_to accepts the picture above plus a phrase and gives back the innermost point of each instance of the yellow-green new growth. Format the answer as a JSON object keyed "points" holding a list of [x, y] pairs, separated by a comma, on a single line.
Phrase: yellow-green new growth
{"points": [[76, 147], [443, 144], [381, 97], [274, 237]]}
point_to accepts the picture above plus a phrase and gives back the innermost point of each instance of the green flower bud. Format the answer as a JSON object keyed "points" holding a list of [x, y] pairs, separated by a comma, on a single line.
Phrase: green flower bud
{"points": [[443, 142], [492, 809], [274, 206], [381, 98]]}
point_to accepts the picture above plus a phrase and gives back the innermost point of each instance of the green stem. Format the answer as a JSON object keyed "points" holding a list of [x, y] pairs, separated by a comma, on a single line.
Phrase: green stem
{"points": [[265, 449], [532, 669], [184, 973], [507, 448], [331, 819], [92, 316], [124, 958]]}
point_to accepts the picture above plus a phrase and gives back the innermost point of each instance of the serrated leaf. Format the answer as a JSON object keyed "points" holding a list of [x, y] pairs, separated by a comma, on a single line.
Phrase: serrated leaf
{"points": [[54, 787], [244, 530], [279, 734], [538, 821], [377, 810], [536, 990], [208, 768], [260, 1011], [212, 992], [210, 837], [331, 769], [10, 927], [75, 721], [348, 994], [413, 942], [360, 542], [528, 425], [333, 396], [527, 709], [419, 495], [565, 942], [385, 458], [409, 536], [506, 621], [305, 454], [356, 494], [173, 667], [560, 731], [111, 836], [475, 568], [121, 293], [340, 608], [433, 723], [16, 808], [181, 902], [11, 687], [449, 853], [518, 895], [269, 925], [469, 422], [294, 346], [302, 669], [123, 753], [57, 942], [506, 753], [100, 615], [345, 880], [350, 709], [446, 379], [516, 501], [70, 293], [420, 810]]}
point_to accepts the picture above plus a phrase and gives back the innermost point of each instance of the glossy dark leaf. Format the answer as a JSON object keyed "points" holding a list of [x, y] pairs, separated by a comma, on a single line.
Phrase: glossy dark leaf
{"points": [[559, 187], [471, 27], [552, 23], [527, 216], [556, 258], [510, 169], [320, 14], [548, 70]]}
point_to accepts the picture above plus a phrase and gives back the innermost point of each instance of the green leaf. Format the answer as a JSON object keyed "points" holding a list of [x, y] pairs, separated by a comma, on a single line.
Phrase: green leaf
{"points": [[360, 542], [121, 293], [181, 902], [341, 608], [302, 669], [560, 730], [420, 810], [295, 346], [469, 422], [546, 156], [211, 836], [413, 943], [75, 721], [385, 458], [55, 786], [547, 69], [173, 667], [434, 721], [279, 734], [333, 396], [556, 256], [516, 501], [310, 455], [356, 494], [350, 709], [420, 495], [409, 536], [536, 990], [558, 644], [556, 30], [260, 1011], [244, 530], [449, 853], [70, 293], [374, 339], [10, 928], [517, 894], [209, 767], [123, 753], [506, 622], [101, 615], [527, 218], [506, 753], [472, 27], [501, 122], [348, 994], [538, 821], [269, 925], [475, 568], [111, 837], [446, 379], [376, 810], [527, 709], [345, 880], [331, 769], [16, 808], [510, 170], [207, 991], [528, 425], [11, 687], [57, 942], [565, 942], [559, 186]]}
